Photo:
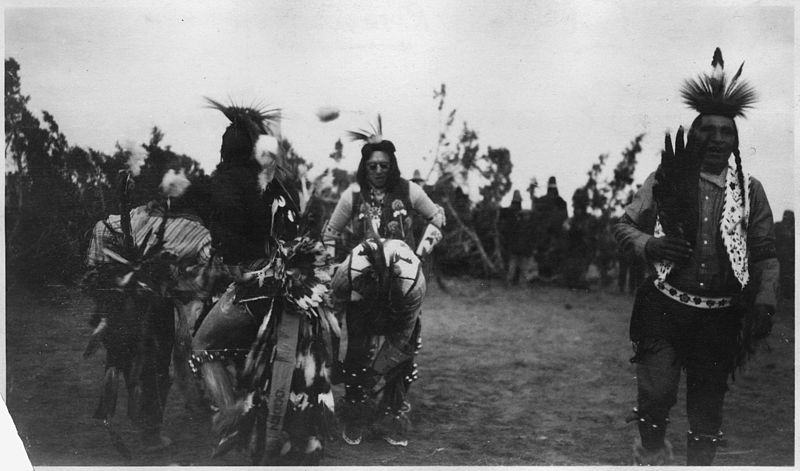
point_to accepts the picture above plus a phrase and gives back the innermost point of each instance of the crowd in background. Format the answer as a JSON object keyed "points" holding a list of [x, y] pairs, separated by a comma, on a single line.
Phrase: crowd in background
{"points": [[542, 244]]}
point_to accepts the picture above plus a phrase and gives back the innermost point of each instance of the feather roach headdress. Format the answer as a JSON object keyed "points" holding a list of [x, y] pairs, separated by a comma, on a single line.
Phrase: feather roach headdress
{"points": [[255, 120], [247, 123], [713, 94]]}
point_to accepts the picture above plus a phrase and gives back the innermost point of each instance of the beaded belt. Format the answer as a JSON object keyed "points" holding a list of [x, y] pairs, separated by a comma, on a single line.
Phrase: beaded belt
{"points": [[702, 302]]}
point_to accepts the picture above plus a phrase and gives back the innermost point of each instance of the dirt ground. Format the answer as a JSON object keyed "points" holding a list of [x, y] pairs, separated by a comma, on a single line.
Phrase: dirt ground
{"points": [[520, 376]]}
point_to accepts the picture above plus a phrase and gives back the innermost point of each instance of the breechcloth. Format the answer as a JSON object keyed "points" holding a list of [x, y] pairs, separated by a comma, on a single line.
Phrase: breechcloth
{"points": [[669, 336]]}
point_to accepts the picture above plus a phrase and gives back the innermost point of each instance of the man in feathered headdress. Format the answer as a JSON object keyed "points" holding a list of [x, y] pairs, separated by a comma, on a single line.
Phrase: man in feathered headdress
{"points": [[270, 322], [707, 229], [380, 207]]}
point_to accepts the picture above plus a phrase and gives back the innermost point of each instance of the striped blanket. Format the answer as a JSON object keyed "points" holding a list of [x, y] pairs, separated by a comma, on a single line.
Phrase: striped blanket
{"points": [[184, 236]]}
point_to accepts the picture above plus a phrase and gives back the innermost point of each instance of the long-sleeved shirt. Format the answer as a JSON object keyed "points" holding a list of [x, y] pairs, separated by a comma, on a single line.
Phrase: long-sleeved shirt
{"points": [[708, 271]]}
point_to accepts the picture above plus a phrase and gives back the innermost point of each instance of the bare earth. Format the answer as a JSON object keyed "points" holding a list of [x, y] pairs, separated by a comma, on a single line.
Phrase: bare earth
{"points": [[521, 376]]}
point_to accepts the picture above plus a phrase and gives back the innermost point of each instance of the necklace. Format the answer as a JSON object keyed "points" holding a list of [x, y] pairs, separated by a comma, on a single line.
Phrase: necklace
{"points": [[376, 194]]}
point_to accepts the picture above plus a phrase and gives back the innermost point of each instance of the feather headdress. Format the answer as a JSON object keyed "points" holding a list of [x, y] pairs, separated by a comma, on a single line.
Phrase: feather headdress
{"points": [[374, 137], [713, 94], [252, 118]]}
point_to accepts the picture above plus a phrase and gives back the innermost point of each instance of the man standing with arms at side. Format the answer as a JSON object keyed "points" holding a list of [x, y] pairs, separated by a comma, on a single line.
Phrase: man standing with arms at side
{"points": [[551, 212], [707, 228]]}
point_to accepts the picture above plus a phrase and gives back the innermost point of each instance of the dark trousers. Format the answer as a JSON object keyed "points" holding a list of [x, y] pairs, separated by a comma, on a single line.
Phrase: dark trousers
{"points": [[670, 336], [658, 373], [155, 376]]}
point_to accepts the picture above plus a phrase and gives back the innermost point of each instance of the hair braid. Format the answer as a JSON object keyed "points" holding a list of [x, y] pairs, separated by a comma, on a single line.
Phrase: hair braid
{"points": [[740, 175]]}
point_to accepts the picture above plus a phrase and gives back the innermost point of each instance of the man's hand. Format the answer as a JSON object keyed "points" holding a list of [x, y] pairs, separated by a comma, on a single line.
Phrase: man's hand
{"points": [[668, 248], [762, 322]]}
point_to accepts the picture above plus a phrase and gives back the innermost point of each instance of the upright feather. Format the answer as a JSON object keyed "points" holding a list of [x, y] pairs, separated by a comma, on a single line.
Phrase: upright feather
{"points": [[373, 137]]}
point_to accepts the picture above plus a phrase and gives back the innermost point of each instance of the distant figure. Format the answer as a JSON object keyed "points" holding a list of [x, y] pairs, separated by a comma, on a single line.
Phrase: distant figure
{"points": [[417, 178], [532, 270], [532, 187], [517, 232], [550, 213], [784, 245], [579, 243]]}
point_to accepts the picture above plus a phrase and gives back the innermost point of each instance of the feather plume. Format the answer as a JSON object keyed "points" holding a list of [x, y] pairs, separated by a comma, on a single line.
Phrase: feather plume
{"points": [[710, 94], [374, 137], [136, 157], [718, 64], [174, 184], [717, 60]]}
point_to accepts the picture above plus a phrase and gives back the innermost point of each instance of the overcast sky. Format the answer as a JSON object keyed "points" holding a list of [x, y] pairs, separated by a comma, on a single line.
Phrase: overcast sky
{"points": [[555, 83]]}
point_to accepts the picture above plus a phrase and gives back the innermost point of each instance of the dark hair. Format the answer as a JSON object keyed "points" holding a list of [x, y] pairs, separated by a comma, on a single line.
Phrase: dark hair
{"points": [[237, 145], [695, 127], [366, 152], [196, 200]]}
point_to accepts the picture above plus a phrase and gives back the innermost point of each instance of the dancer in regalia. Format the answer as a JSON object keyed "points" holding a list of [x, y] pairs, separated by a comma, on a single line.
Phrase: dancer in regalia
{"points": [[146, 264], [272, 322], [707, 228], [381, 300]]}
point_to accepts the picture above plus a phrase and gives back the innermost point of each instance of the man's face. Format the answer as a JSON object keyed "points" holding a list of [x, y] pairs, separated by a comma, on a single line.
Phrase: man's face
{"points": [[720, 134], [378, 168]]}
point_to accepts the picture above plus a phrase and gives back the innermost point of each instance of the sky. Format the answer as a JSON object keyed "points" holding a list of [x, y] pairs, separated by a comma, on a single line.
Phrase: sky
{"points": [[556, 84]]}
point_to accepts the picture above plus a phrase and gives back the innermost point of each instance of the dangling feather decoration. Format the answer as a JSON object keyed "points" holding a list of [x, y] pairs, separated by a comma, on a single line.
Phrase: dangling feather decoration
{"points": [[710, 94], [255, 119], [374, 137]]}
